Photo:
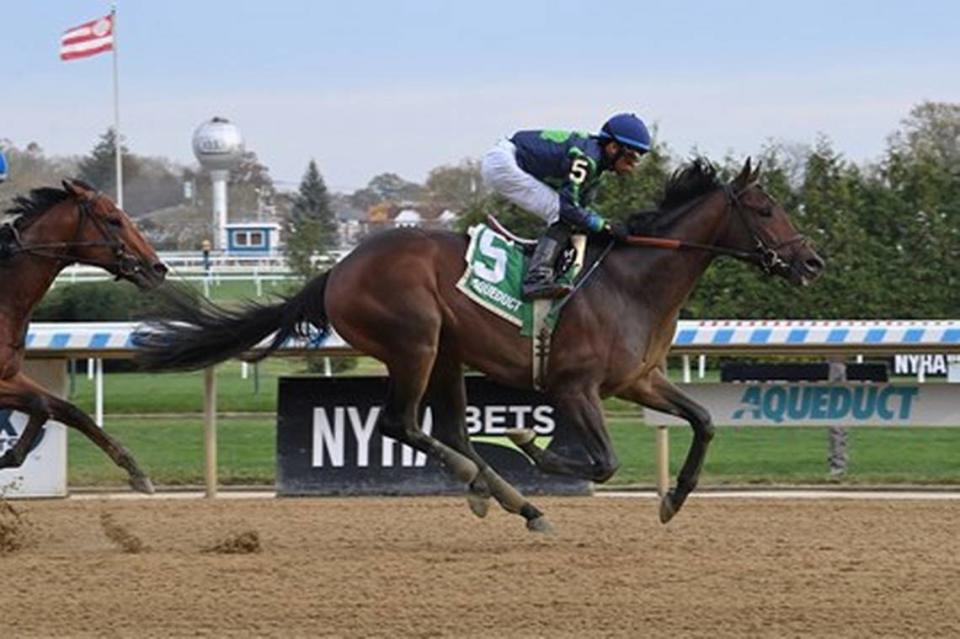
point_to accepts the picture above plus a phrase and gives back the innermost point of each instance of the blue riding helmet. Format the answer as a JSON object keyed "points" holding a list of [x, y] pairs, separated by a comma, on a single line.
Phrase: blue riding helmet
{"points": [[3, 167], [628, 130]]}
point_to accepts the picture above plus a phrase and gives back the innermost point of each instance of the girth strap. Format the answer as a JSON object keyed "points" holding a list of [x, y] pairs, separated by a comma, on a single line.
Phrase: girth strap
{"points": [[541, 308]]}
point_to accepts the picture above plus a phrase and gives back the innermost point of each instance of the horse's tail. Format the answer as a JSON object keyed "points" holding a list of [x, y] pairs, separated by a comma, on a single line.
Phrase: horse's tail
{"points": [[194, 334]]}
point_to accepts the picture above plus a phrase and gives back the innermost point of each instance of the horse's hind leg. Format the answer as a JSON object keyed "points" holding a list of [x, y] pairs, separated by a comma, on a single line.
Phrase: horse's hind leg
{"points": [[22, 393], [448, 400]]}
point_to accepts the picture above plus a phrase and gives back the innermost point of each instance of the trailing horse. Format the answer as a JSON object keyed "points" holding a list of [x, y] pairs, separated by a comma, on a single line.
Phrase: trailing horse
{"points": [[53, 229], [395, 297]]}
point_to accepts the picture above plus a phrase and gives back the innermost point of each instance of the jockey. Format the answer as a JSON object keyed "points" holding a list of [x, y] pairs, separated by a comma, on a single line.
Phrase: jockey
{"points": [[554, 174]]}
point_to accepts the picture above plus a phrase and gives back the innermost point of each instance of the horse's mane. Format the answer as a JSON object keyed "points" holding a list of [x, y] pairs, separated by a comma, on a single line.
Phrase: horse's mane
{"points": [[39, 201], [689, 182]]}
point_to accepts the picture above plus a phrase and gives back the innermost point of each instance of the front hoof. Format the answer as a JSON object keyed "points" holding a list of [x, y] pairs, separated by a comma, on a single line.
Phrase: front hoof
{"points": [[540, 525], [521, 436], [141, 484], [479, 504], [667, 509], [670, 505]]}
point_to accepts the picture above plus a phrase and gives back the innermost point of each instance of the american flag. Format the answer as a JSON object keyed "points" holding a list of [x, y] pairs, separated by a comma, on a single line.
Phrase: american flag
{"points": [[87, 39]]}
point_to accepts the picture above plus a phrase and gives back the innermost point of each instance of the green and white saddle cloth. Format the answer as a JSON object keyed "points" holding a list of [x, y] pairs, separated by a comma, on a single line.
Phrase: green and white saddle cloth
{"points": [[494, 279]]}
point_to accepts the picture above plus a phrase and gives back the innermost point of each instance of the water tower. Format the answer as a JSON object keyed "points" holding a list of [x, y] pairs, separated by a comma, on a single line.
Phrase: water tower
{"points": [[218, 146]]}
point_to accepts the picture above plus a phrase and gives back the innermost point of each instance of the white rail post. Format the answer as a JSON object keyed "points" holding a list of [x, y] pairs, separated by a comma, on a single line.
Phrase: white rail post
{"points": [[686, 370], [702, 366], [210, 430], [663, 460], [98, 394]]}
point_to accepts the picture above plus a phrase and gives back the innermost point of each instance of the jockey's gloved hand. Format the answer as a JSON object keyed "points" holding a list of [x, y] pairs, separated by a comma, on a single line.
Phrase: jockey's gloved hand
{"points": [[617, 230]]}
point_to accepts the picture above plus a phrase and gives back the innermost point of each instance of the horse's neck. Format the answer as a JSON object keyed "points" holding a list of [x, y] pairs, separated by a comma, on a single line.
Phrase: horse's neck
{"points": [[28, 276], [672, 274]]}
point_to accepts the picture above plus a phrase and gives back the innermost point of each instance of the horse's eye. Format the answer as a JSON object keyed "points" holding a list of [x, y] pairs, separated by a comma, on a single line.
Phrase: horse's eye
{"points": [[115, 222], [765, 211]]}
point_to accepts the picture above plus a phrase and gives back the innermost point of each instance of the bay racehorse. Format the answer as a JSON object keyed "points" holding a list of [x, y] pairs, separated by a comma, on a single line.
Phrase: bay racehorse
{"points": [[395, 298], [54, 228]]}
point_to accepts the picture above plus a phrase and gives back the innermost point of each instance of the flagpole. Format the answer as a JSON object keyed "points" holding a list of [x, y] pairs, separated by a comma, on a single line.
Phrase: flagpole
{"points": [[116, 110]]}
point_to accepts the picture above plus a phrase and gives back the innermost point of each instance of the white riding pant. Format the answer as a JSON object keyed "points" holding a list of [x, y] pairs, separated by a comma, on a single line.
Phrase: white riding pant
{"points": [[502, 174]]}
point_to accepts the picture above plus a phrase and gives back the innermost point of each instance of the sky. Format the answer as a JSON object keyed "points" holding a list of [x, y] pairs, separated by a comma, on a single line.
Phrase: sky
{"points": [[404, 86]]}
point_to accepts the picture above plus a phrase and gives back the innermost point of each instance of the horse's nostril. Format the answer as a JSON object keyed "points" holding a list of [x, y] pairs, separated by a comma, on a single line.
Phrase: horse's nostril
{"points": [[160, 269], [815, 264]]}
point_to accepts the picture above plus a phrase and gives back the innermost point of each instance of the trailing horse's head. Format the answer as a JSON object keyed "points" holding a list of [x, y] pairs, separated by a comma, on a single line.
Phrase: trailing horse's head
{"points": [[106, 237], [765, 228]]}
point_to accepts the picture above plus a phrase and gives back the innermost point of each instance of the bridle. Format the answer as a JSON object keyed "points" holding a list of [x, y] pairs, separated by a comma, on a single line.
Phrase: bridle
{"points": [[127, 264], [766, 252]]}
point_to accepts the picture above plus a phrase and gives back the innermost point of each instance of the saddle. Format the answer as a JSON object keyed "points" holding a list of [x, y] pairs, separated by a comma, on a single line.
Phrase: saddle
{"points": [[545, 313], [527, 245]]}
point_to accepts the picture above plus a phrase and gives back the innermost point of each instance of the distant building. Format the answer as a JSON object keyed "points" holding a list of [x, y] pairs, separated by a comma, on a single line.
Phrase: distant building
{"points": [[253, 238]]}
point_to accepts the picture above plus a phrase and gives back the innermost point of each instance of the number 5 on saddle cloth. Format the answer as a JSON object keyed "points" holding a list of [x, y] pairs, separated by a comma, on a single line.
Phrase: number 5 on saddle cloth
{"points": [[493, 279]]}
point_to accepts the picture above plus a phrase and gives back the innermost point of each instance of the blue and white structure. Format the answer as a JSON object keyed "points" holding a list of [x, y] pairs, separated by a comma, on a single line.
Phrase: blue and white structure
{"points": [[812, 337], [760, 337], [3, 167], [253, 238]]}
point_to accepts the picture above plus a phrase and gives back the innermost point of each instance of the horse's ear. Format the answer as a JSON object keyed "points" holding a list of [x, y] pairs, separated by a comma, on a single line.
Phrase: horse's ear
{"points": [[743, 178], [756, 173], [76, 189]]}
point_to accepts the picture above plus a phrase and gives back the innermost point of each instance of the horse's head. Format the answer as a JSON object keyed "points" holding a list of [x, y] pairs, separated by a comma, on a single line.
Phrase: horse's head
{"points": [[106, 237], [763, 227]]}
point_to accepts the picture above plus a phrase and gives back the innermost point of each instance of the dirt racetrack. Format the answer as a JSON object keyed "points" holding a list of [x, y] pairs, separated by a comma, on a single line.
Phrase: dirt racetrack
{"points": [[427, 568]]}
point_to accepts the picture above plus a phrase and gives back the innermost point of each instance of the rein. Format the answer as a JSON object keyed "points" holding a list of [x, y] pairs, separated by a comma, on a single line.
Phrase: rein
{"points": [[763, 254]]}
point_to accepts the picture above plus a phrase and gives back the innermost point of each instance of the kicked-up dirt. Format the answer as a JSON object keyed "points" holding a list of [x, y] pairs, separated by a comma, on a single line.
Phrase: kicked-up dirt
{"points": [[425, 567]]}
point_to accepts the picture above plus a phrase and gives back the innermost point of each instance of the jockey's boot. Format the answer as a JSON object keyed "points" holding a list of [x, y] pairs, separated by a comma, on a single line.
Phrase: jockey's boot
{"points": [[539, 281]]}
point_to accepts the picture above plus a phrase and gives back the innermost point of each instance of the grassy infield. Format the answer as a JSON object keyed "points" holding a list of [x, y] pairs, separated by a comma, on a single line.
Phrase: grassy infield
{"points": [[169, 443]]}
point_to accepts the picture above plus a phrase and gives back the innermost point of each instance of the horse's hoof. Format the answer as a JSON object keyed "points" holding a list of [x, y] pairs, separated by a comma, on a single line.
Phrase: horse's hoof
{"points": [[521, 436], [667, 508], [142, 484], [540, 525], [7, 460], [479, 504]]}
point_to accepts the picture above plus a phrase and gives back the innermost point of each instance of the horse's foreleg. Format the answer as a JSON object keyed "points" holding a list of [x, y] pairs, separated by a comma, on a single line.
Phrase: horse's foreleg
{"points": [[408, 381], [70, 415], [448, 399], [580, 409], [22, 393], [658, 393], [16, 394]]}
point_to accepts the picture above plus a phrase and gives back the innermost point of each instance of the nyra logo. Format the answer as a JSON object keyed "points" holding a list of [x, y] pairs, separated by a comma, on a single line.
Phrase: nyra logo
{"points": [[810, 403], [10, 433], [346, 435]]}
